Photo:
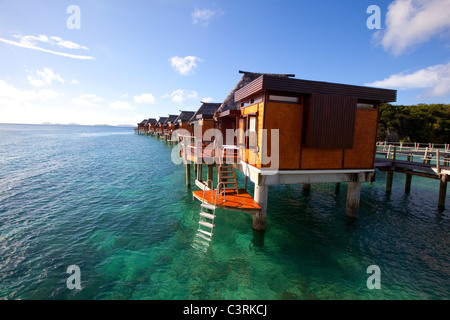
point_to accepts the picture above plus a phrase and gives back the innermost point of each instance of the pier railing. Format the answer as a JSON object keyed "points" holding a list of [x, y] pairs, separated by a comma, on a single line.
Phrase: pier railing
{"points": [[430, 161]]}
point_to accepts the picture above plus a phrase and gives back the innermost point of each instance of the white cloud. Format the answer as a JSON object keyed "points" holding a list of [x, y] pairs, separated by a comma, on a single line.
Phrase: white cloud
{"points": [[434, 78], [184, 65], [14, 96], [147, 98], [48, 94], [208, 99], [45, 105], [44, 77], [10, 92], [31, 42], [120, 105], [412, 22], [202, 16], [74, 82], [86, 100], [180, 95]]}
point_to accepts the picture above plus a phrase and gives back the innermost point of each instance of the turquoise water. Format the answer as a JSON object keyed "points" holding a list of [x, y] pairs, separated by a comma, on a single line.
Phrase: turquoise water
{"points": [[114, 204]]}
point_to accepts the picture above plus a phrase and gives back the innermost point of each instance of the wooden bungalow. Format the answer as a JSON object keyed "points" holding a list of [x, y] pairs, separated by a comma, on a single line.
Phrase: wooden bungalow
{"points": [[169, 124], [203, 118], [295, 131], [150, 125], [182, 121], [159, 126], [141, 127]]}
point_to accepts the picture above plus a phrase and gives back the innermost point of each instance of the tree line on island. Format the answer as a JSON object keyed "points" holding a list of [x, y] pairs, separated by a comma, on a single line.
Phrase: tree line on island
{"points": [[417, 123]]}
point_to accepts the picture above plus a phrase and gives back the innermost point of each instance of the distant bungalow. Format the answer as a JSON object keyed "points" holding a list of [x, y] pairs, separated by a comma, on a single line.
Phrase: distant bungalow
{"points": [[150, 125], [159, 126], [182, 121], [141, 127], [203, 118]]}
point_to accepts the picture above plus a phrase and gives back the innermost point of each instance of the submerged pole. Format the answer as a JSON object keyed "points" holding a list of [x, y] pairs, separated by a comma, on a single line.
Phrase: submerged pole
{"points": [[442, 191], [188, 174], [337, 188], [408, 177], [261, 197], [389, 179], [306, 188], [199, 172], [408, 183], [353, 198]]}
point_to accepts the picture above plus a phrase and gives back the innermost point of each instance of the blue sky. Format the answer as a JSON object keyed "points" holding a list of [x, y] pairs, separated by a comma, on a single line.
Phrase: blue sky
{"points": [[131, 60]]}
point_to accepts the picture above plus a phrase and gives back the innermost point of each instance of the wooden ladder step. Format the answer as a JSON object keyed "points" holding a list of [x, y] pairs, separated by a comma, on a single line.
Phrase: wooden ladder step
{"points": [[227, 174], [207, 215], [228, 182]]}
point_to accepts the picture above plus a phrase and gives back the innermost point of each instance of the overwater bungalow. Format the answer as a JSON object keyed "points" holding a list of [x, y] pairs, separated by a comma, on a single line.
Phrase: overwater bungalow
{"points": [[294, 131], [141, 127], [183, 120], [150, 125], [159, 126], [203, 118], [169, 126]]}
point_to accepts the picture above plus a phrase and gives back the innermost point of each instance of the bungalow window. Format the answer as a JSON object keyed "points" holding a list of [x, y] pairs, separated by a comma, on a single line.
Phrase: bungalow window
{"points": [[252, 101], [366, 105], [277, 98], [251, 138], [256, 100]]}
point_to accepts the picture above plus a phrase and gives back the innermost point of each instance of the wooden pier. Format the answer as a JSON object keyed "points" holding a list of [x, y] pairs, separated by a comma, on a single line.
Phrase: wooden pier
{"points": [[415, 159]]}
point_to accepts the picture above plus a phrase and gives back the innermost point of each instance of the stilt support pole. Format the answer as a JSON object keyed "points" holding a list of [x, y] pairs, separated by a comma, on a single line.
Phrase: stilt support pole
{"points": [[353, 197], [442, 192], [261, 197], [188, 174]]}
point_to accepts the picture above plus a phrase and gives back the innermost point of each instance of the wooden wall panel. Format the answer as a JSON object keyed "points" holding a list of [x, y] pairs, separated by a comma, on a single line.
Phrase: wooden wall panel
{"points": [[321, 159], [287, 118], [363, 153], [331, 122]]}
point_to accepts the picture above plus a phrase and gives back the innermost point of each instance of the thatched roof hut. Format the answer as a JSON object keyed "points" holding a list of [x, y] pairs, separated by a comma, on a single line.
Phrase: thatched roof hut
{"points": [[206, 111], [170, 120], [184, 117], [161, 121]]}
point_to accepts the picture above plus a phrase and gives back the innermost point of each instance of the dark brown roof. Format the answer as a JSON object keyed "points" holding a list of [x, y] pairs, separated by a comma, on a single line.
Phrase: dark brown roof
{"points": [[184, 116], [161, 120], [230, 103], [277, 84], [206, 110], [171, 119], [151, 121]]}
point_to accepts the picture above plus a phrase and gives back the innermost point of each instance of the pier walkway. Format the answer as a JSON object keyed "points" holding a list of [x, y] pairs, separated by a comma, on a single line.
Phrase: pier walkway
{"points": [[429, 161]]}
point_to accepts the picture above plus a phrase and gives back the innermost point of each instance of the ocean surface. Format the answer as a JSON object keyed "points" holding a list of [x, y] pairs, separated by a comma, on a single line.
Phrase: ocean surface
{"points": [[113, 204]]}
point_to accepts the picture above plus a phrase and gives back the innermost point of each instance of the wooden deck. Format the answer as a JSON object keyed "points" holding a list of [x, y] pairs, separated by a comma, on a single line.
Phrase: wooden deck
{"points": [[242, 202]]}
